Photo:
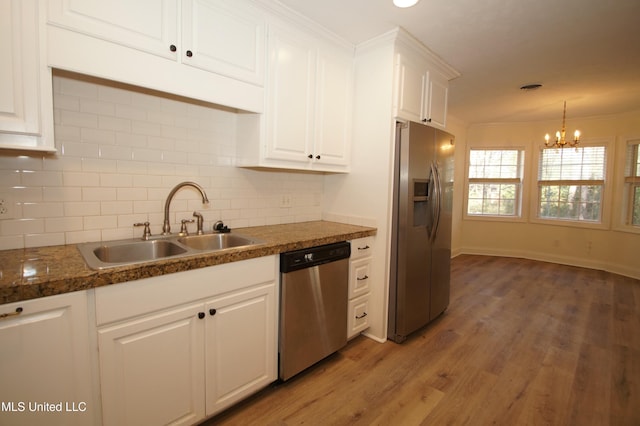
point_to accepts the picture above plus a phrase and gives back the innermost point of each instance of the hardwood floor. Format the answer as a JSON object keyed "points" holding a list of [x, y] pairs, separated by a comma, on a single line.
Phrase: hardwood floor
{"points": [[522, 343]]}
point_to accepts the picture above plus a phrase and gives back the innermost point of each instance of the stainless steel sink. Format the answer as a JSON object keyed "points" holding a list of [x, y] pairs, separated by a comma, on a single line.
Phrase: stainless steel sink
{"points": [[109, 254], [138, 251], [217, 241]]}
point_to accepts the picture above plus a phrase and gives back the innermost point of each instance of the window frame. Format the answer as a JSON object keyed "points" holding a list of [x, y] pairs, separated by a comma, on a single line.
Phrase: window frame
{"points": [[625, 186], [521, 193], [607, 189]]}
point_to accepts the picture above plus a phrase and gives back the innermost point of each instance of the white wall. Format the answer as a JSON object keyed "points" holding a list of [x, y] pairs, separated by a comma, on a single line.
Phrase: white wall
{"points": [[120, 151], [361, 197], [612, 246]]}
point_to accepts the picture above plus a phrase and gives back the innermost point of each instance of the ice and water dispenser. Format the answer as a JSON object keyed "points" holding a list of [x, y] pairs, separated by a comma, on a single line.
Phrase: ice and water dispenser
{"points": [[420, 202]]}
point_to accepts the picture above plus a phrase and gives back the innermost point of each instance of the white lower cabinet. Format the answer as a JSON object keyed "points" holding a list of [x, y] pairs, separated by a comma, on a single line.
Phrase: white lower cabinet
{"points": [[359, 288], [203, 340], [358, 315], [152, 369], [45, 359], [240, 345]]}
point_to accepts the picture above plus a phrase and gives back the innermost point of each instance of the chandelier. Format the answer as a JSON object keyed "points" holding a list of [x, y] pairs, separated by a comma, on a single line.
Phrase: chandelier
{"points": [[560, 141]]}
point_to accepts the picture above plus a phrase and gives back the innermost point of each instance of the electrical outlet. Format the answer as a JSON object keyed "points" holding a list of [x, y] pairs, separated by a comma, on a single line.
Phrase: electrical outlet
{"points": [[285, 200], [6, 206]]}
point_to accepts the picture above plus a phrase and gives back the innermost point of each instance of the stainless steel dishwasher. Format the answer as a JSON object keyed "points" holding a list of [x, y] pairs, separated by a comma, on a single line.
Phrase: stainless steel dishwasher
{"points": [[313, 305]]}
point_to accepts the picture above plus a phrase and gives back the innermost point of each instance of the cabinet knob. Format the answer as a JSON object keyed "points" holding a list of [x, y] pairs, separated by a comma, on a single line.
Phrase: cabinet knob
{"points": [[200, 315], [212, 312], [310, 156], [317, 157], [173, 48], [426, 120], [189, 53]]}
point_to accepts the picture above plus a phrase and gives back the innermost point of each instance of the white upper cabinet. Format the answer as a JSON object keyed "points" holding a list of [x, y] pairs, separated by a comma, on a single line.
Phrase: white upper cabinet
{"points": [[332, 142], [212, 50], [422, 84], [224, 37], [213, 35], [307, 120], [290, 96], [148, 25], [436, 106], [26, 109], [410, 91]]}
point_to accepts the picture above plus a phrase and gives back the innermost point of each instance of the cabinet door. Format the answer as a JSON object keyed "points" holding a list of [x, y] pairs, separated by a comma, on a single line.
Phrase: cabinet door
{"points": [[410, 88], [148, 25], [44, 357], [152, 368], [290, 96], [333, 108], [19, 68], [224, 38], [436, 102], [241, 351]]}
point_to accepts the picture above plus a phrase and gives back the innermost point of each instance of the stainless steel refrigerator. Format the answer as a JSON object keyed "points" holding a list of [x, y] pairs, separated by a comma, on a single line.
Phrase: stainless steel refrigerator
{"points": [[421, 229]]}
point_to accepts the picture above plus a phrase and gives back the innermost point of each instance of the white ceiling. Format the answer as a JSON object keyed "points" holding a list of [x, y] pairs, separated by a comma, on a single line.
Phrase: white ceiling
{"points": [[586, 52]]}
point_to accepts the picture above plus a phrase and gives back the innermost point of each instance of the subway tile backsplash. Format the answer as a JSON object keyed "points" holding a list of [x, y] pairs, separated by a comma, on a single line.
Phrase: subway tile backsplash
{"points": [[120, 151]]}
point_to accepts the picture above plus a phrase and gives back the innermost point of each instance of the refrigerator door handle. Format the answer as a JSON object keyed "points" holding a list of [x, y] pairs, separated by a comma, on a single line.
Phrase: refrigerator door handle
{"points": [[431, 198], [437, 185]]}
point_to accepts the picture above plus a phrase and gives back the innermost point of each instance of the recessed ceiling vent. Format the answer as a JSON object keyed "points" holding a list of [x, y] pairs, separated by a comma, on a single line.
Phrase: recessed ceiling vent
{"points": [[530, 87]]}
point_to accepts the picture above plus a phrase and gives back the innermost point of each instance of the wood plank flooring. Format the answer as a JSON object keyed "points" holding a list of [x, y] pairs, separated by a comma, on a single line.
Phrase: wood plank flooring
{"points": [[522, 343]]}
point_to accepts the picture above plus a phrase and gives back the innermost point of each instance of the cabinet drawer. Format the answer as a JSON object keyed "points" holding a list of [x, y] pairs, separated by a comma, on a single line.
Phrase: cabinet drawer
{"points": [[358, 315], [361, 247], [359, 277]]}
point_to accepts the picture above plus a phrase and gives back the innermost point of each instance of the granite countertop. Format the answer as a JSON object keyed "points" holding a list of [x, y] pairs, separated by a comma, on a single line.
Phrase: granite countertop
{"points": [[46, 271]]}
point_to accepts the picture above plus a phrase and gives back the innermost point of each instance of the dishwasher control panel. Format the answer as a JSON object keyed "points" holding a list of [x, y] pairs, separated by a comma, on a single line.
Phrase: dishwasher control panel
{"points": [[313, 256]]}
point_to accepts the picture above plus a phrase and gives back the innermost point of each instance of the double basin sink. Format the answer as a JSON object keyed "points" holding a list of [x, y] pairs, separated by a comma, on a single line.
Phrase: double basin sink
{"points": [[109, 254]]}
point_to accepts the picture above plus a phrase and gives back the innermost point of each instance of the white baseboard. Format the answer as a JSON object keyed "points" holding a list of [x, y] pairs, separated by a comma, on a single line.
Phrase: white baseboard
{"points": [[546, 257]]}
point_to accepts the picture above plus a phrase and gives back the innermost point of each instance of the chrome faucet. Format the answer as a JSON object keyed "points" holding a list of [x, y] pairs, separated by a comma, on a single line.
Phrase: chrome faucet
{"points": [[166, 227]]}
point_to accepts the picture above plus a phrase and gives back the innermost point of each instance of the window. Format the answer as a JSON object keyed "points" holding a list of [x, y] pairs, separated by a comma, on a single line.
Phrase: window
{"points": [[571, 183], [495, 182], [632, 183]]}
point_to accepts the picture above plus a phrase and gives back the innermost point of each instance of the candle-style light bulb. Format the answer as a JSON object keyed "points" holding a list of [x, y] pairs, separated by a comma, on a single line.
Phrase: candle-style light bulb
{"points": [[576, 135]]}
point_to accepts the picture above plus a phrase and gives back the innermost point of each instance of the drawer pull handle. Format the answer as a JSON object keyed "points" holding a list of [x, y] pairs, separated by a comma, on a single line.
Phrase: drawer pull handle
{"points": [[364, 314], [366, 277], [12, 314], [364, 248]]}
